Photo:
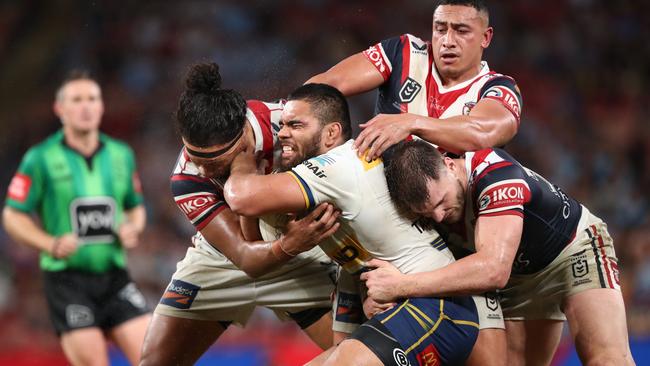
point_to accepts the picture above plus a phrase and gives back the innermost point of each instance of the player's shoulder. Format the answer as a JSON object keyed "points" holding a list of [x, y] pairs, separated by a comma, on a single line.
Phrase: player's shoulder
{"points": [[333, 164], [259, 107], [493, 78], [491, 164]]}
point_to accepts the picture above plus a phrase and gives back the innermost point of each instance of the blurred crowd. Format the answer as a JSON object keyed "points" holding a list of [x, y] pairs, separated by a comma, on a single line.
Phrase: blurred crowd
{"points": [[579, 64]]}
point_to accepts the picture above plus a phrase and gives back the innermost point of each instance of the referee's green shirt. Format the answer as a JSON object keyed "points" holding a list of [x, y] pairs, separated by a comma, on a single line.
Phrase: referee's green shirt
{"points": [[72, 193]]}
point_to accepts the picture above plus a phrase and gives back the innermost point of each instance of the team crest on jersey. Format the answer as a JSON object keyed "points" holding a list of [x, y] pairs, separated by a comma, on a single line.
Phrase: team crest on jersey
{"points": [[468, 108], [409, 90], [484, 202], [93, 218]]}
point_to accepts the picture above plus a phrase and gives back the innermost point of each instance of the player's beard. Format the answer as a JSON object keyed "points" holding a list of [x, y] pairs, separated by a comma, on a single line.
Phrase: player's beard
{"points": [[311, 149]]}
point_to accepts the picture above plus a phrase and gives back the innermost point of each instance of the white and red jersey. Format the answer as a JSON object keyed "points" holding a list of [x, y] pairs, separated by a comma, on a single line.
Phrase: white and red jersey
{"points": [[412, 83], [500, 185], [201, 198]]}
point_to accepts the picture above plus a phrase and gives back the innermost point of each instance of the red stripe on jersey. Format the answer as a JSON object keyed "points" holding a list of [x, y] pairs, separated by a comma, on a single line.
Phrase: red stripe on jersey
{"points": [[406, 65], [263, 115], [493, 167], [603, 256], [432, 87], [503, 213], [190, 177], [479, 156], [208, 219]]}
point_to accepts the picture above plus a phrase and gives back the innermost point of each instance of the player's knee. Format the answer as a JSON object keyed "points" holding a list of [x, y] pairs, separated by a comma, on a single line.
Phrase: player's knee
{"points": [[343, 355]]}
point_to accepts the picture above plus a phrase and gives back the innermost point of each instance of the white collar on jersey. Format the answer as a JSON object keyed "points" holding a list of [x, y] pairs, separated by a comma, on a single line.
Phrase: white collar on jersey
{"points": [[257, 130], [484, 70]]}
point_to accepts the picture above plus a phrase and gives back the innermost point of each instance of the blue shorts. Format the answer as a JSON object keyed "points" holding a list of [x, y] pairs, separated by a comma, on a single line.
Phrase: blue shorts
{"points": [[423, 331]]}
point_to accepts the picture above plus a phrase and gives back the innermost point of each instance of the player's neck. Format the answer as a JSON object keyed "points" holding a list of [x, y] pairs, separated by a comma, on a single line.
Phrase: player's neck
{"points": [[462, 172], [449, 81], [86, 142]]}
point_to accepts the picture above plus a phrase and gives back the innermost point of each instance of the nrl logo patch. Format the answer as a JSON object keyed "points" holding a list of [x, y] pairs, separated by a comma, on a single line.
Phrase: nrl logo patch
{"points": [[409, 90]]}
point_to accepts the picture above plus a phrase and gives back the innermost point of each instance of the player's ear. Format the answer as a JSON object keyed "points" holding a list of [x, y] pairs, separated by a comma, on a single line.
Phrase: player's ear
{"points": [[332, 134]]}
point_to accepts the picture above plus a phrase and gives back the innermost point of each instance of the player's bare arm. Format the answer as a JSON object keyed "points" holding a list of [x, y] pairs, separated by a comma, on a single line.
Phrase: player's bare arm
{"points": [[489, 124], [24, 229], [497, 239], [257, 257], [250, 194], [354, 75]]}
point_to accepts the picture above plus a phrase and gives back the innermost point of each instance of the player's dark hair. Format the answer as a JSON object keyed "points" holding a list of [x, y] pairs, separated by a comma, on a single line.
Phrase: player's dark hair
{"points": [[74, 75], [208, 115], [408, 166], [327, 103], [479, 5]]}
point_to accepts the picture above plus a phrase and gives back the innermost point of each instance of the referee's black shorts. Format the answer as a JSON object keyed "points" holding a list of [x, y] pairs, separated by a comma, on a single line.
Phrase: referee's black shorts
{"points": [[79, 299]]}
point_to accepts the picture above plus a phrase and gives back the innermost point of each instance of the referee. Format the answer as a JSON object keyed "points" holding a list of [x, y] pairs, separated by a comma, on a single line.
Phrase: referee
{"points": [[84, 188]]}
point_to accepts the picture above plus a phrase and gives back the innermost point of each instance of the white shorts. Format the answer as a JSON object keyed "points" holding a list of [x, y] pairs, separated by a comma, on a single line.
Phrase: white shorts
{"points": [[207, 286], [588, 262]]}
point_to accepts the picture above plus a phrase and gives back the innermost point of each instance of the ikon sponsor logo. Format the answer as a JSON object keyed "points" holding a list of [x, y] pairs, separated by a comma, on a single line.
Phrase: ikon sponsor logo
{"points": [[502, 194], [195, 204], [508, 193], [374, 55]]}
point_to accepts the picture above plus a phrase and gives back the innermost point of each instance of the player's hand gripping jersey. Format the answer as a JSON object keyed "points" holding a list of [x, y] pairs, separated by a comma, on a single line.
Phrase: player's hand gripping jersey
{"points": [[412, 83]]}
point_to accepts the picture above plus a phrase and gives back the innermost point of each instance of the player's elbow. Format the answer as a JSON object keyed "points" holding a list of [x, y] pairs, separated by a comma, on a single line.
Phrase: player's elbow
{"points": [[328, 77], [498, 277], [9, 216], [235, 194], [252, 269]]}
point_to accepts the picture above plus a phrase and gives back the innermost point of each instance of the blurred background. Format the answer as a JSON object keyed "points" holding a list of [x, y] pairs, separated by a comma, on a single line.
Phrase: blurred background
{"points": [[581, 66]]}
